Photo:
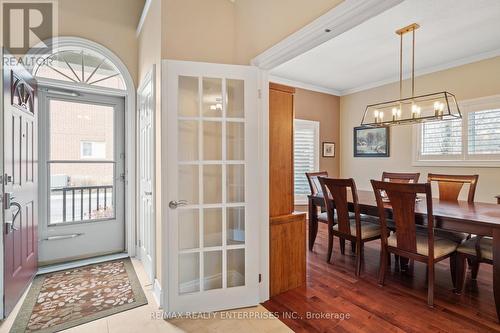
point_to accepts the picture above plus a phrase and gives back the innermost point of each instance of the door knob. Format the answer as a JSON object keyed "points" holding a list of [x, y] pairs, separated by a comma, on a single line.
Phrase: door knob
{"points": [[174, 204], [148, 193]]}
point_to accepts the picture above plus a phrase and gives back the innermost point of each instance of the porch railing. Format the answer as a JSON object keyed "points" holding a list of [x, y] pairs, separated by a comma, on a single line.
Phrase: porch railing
{"points": [[100, 199]]}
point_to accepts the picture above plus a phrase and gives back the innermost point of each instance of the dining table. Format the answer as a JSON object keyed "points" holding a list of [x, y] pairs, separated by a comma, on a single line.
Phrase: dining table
{"points": [[476, 218]]}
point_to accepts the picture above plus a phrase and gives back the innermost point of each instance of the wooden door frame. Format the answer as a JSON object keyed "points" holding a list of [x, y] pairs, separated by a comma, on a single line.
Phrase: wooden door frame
{"points": [[149, 78]]}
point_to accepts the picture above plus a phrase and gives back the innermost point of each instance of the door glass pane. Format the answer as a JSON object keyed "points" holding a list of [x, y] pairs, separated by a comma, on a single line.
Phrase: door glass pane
{"points": [[188, 140], [188, 96], [81, 131], [189, 273], [212, 140], [81, 192], [235, 184], [235, 217], [212, 277], [189, 229], [212, 97], [235, 268], [235, 136], [212, 184], [188, 183], [235, 98], [212, 227]]}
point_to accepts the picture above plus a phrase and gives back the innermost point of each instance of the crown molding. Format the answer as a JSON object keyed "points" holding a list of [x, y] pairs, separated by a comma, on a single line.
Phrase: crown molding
{"points": [[338, 20], [424, 71], [303, 85], [144, 14]]}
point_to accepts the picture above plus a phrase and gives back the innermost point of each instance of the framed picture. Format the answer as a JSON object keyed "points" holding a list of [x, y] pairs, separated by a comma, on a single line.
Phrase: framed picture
{"points": [[328, 149], [371, 142]]}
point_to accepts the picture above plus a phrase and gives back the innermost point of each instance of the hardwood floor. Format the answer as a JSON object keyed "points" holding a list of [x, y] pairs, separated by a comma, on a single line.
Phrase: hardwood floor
{"points": [[399, 306]]}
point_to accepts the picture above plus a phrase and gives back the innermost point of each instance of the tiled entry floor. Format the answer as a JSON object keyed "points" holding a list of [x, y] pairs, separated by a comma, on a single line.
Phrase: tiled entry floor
{"points": [[140, 319]]}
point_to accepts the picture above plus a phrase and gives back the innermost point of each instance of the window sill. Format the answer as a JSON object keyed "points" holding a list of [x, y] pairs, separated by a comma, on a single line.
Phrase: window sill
{"points": [[458, 163]]}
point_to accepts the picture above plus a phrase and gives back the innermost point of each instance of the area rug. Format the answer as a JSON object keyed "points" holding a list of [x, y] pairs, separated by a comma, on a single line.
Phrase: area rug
{"points": [[60, 300]]}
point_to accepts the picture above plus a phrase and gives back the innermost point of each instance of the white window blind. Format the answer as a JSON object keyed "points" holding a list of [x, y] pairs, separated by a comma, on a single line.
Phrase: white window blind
{"points": [[306, 156], [442, 138], [484, 132]]}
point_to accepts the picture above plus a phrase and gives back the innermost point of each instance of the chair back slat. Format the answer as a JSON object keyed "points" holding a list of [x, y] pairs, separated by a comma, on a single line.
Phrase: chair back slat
{"points": [[400, 177], [337, 188], [402, 199], [450, 186], [312, 179]]}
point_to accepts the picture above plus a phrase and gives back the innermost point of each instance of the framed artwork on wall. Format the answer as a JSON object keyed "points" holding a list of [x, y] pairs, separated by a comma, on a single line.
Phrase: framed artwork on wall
{"points": [[328, 149], [371, 142]]}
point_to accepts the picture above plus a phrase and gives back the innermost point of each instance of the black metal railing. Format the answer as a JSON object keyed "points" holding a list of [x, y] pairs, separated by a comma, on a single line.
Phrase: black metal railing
{"points": [[100, 200]]}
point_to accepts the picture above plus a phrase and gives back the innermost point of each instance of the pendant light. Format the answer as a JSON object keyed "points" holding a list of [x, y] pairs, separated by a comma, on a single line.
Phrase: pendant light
{"points": [[438, 106]]}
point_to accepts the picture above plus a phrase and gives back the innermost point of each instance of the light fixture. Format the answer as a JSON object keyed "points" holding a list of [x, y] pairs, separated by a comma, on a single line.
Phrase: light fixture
{"points": [[437, 106]]}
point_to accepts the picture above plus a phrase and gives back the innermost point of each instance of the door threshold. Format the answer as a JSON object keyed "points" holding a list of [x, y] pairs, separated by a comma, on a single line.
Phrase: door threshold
{"points": [[80, 263]]}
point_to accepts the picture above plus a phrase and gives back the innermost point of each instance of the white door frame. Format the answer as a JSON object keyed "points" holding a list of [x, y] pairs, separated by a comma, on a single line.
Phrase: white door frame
{"points": [[149, 79], [262, 188]]}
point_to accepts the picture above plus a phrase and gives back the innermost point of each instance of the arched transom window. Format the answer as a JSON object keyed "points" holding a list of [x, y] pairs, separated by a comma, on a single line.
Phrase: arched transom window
{"points": [[81, 66]]}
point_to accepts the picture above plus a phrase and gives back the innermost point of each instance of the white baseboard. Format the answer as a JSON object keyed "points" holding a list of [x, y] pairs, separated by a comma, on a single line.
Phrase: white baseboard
{"points": [[157, 293]]}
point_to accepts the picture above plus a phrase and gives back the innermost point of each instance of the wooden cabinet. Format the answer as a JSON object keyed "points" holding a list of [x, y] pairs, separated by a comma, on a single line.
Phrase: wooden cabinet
{"points": [[287, 229], [288, 252]]}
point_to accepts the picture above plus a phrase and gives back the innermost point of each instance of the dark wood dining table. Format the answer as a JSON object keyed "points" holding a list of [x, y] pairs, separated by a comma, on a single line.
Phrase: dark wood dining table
{"points": [[475, 218]]}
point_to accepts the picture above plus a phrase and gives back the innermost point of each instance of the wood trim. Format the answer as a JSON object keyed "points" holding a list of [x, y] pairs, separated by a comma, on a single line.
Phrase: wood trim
{"points": [[281, 87], [295, 217]]}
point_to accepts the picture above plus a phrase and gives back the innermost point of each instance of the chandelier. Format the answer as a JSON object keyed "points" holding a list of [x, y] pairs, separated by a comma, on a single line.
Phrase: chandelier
{"points": [[437, 106]]}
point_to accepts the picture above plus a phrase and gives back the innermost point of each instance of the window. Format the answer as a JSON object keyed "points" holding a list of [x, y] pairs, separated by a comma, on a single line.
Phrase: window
{"points": [[93, 150], [306, 156], [473, 140]]}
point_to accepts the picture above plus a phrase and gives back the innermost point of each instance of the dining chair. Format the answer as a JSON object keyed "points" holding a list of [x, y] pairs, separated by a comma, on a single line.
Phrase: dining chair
{"points": [[315, 187], [340, 224], [408, 240], [449, 187], [400, 177], [475, 251]]}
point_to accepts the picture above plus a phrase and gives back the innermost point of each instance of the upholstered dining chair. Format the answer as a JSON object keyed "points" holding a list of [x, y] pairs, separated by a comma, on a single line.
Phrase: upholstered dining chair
{"points": [[449, 187], [475, 251], [408, 240], [315, 187], [340, 224], [400, 177]]}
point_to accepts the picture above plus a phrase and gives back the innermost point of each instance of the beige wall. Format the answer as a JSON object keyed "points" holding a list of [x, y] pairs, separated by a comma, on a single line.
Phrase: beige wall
{"points": [[310, 105], [198, 30], [466, 82], [149, 54], [225, 32], [111, 23]]}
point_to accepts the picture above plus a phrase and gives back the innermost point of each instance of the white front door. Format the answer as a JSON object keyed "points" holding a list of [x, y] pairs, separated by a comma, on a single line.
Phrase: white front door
{"points": [[81, 175], [146, 232], [213, 220]]}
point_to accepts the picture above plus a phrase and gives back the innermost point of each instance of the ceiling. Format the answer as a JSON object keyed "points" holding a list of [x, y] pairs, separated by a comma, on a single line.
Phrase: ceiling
{"points": [[452, 33]]}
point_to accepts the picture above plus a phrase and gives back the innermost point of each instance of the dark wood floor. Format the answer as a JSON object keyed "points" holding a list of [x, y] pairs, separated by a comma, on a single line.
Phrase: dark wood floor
{"points": [[399, 306]]}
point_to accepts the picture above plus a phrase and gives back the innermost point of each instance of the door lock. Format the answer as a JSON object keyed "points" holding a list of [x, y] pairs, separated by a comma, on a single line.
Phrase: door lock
{"points": [[174, 204]]}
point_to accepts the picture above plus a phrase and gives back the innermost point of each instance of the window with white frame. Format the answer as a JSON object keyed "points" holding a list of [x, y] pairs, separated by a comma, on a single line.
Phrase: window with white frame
{"points": [[92, 150], [305, 155], [472, 140]]}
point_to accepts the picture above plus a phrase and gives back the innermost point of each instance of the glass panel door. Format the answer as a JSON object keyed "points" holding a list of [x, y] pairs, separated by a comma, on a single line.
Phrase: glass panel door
{"points": [[214, 202], [82, 166]]}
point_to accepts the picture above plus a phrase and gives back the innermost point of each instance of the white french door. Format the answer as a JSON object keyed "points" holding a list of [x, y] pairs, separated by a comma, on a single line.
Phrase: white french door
{"points": [[213, 220], [82, 168]]}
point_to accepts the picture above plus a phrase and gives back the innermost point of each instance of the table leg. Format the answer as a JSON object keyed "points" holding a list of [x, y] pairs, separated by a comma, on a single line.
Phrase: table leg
{"points": [[313, 223], [496, 269]]}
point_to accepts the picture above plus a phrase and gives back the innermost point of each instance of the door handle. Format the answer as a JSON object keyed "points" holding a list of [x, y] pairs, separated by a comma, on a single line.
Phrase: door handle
{"points": [[148, 193], [10, 224], [174, 204]]}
